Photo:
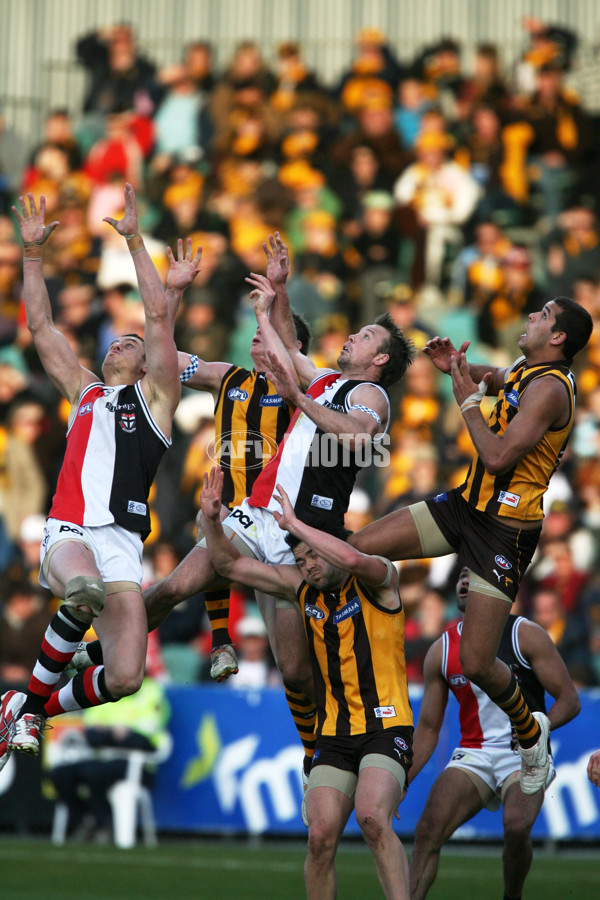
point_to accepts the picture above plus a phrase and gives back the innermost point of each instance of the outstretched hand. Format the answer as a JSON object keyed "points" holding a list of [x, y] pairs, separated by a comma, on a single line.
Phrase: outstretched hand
{"points": [[462, 383], [441, 350], [212, 490], [129, 223], [184, 269], [278, 260], [262, 295], [287, 517], [31, 222]]}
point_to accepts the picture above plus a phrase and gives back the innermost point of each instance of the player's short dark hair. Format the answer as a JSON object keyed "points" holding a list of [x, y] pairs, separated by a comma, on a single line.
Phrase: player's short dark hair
{"points": [[338, 531], [400, 349], [302, 333], [577, 324]]}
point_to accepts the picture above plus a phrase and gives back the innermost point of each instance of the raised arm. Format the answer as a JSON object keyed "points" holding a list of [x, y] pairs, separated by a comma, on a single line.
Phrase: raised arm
{"points": [[160, 384], [262, 296], [544, 405], [278, 267], [433, 707], [281, 581], [56, 354], [367, 416], [373, 570], [551, 671]]}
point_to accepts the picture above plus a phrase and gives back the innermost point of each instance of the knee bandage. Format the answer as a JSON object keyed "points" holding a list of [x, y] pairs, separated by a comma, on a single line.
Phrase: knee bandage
{"points": [[85, 590]]}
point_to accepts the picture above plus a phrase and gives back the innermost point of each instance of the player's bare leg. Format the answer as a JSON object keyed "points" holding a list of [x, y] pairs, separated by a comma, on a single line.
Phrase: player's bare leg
{"points": [[453, 800], [328, 810], [378, 794], [394, 536], [193, 574], [519, 813]]}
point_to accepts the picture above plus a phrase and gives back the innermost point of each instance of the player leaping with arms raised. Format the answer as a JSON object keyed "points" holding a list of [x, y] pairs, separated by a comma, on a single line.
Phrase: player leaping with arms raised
{"points": [[119, 429], [493, 521]]}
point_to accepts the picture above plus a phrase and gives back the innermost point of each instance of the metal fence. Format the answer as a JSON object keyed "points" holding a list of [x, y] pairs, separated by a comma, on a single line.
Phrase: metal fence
{"points": [[38, 68]]}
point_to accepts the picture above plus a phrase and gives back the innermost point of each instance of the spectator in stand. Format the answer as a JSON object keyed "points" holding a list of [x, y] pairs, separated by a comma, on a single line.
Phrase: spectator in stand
{"points": [[22, 484], [198, 60], [181, 120], [119, 76], [504, 311], [292, 78], [496, 157], [572, 249], [477, 271], [487, 86], [547, 44], [256, 665], [569, 633], [561, 138], [373, 63], [439, 65], [25, 614], [441, 196], [413, 100]]}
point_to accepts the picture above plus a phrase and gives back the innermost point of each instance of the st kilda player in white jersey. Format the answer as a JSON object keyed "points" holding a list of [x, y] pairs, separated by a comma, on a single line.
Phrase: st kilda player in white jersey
{"points": [[484, 769], [118, 431]]}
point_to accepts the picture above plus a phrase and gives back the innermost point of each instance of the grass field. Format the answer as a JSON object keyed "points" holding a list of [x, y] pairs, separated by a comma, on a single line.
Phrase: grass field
{"points": [[34, 870]]}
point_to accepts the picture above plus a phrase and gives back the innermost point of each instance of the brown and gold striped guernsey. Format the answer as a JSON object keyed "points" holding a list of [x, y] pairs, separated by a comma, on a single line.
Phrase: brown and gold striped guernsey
{"points": [[250, 420], [357, 654], [519, 493]]}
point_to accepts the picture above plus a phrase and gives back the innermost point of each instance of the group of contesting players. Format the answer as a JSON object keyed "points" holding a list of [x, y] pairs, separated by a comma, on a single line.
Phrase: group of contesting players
{"points": [[330, 600]]}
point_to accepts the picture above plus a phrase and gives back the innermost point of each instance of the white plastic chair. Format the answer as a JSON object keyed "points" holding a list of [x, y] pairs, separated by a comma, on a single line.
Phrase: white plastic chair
{"points": [[130, 800]]}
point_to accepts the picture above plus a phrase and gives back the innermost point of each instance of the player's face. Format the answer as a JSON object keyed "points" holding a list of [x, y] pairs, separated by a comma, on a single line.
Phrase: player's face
{"points": [[362, 348], [462, 588], [538, 330], [315, 570], [125, 354]]}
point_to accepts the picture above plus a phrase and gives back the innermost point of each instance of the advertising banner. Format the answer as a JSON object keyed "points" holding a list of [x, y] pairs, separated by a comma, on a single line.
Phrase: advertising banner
{"points": [[236, 767]]}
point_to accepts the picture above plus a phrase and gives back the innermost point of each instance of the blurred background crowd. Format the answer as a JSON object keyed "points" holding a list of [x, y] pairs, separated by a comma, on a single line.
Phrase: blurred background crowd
{"points": [[456, 197]]}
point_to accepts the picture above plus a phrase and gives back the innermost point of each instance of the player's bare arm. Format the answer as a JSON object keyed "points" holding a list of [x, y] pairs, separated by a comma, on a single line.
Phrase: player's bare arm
{"points": [[262, 296], [550, 670], [208, 375], [280, 581], [441, 350], [160, 384], [56, 354], [351, 428], [544, 405], [373, 570], [278, 267], [433, 707]]}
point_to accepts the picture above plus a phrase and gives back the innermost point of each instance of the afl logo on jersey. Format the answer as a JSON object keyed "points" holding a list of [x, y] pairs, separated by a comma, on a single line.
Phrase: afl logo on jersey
{"points": [[237, 394], [85, 409], [399, 742], [127, 422], [457, 680], [503, 562], [313, 612]]}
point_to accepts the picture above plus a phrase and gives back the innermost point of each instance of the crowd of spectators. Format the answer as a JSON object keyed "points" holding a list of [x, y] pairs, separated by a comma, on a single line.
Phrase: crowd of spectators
{"points": [[456, 200]]}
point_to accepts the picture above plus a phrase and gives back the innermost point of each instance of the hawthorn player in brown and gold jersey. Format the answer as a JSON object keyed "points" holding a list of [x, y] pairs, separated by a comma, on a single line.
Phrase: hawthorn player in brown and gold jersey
{"points": [[354, 623], [493, 521], [250, 418]]}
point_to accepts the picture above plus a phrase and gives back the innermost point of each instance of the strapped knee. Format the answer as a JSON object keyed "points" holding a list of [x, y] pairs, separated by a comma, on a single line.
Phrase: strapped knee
{"points": [[85, 591]]}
